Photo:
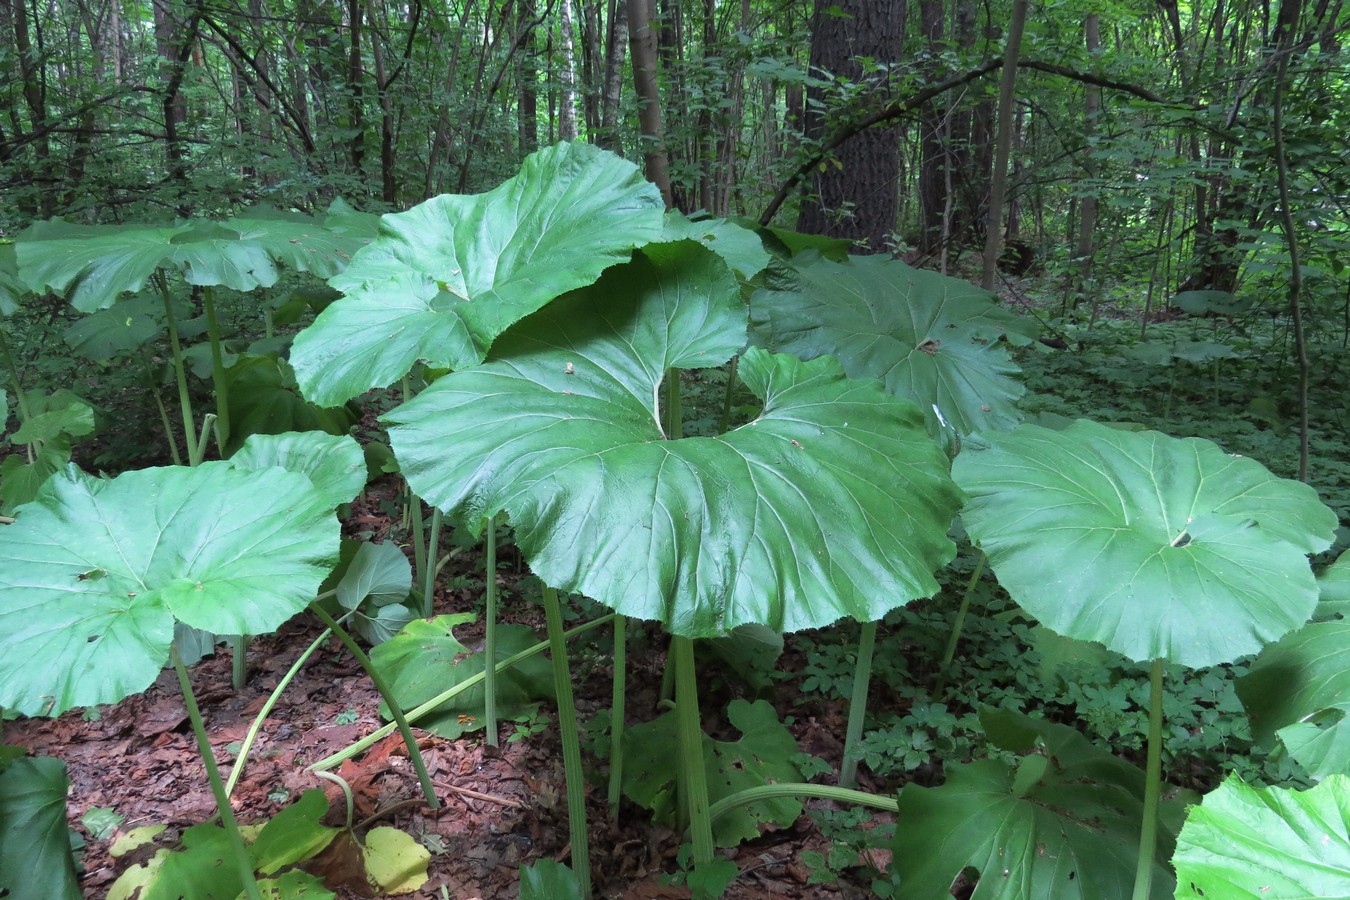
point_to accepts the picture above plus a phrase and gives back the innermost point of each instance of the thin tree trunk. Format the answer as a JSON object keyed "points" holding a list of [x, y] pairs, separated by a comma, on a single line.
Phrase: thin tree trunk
{"points": [[527, 107], [1087, 218], [567, 99], [997, 187], [643, 40], [356, 147], [615, 52]]}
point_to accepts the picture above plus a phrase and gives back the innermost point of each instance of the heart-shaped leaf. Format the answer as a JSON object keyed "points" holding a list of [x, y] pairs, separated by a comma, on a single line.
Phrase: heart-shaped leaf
{"points": [[1153, 546], [1299, 688], [94, 573], [832, 502], [934, 339], [1063, 824], [446, 277], [1272, 843]]}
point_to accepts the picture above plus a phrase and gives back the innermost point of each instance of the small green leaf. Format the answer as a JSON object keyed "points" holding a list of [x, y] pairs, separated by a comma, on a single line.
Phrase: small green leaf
{"points": [[333, 463], [101, 821], [265, 400], [1299, 688], [1271, 843], [292, 835], [379, 573], [395, 862], [548, 879], [118, 330], [1062, 825]]}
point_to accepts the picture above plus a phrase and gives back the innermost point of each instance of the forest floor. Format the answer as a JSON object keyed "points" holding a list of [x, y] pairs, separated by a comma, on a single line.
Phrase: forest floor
{"points": [[502, 807]]}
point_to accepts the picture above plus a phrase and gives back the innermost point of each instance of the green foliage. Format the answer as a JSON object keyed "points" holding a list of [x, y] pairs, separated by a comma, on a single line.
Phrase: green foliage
{"points": [[445, 278], [850, 498]]}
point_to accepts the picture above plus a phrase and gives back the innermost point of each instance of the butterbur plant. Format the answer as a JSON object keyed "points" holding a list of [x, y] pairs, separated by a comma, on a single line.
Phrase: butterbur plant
{"points": [[1188, 555], [831, 502]]}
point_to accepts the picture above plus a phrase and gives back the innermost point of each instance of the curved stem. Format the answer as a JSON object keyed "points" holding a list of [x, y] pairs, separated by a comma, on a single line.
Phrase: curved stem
{"points": [[346, 792], [958, 623], [732, 371], [159, 403], [490, 634], [473, 681], [779, 791], [857, 708], [428, 790], [233, 837], [693, 780], [571, 744], [1148, 835], [241, 759]]}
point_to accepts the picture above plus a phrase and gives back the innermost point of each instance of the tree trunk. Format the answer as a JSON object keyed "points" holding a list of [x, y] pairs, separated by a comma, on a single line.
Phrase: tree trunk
{"points": [[643, 40], [615, 51], [356, 147], [567, 78], [1087, 217], [857, 199], [993, 244], [527, 75], [933, 128]]}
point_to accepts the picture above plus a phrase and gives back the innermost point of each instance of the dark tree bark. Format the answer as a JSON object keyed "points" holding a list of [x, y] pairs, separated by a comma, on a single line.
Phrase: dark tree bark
{"points": [[643, 40], [527, 105], [857, 199], [616, 50]]}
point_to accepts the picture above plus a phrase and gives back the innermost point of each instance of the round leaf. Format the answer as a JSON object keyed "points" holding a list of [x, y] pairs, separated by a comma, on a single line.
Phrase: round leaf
{"points": [[94, 572], [1269, 843], [931, 338], [446, 277], [1153, 546], [833, 502]]}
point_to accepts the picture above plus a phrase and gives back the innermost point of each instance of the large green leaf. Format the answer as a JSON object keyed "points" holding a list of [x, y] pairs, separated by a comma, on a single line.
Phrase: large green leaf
{"points": [[761, 756], [740, 247], [35, 860], [92, 265], [446, 277], [1153, 546], [832, 502], [1272, 843], [1062, 824], [934, 339], [94, 573], [1299, 688], [426, 658]]}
